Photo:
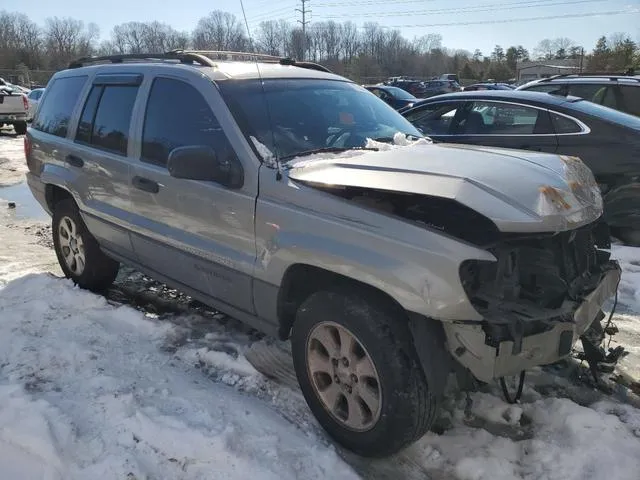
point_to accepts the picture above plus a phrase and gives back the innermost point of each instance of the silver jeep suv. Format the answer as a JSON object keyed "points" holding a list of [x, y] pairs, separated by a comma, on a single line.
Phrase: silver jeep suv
{"points": [[303, 205]]}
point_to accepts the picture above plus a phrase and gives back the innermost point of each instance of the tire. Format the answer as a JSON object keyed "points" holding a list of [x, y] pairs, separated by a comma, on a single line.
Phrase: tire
{"points": [[99, 271], [20, 127], [407, 406], [628, 236]]}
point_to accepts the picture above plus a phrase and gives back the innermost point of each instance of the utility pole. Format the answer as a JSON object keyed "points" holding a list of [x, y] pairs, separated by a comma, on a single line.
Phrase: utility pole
{"points": [[304, 22]]}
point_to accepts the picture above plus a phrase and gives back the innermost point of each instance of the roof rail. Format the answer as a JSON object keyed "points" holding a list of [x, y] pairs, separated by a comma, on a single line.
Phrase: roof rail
{"points": [[609, 75], [202, 57], [182, 57]]}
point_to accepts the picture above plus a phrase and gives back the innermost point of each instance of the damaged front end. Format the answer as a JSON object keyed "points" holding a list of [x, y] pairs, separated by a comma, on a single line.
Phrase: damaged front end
{"points": [[537, 299]]}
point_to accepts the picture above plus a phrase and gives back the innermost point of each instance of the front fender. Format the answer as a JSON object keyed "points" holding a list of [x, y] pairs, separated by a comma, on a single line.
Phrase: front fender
{"points": [[622, 206], [417, 267]]}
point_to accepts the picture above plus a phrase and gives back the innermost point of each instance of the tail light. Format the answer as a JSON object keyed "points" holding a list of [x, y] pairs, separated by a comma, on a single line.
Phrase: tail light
{"points": [[25, 102]]}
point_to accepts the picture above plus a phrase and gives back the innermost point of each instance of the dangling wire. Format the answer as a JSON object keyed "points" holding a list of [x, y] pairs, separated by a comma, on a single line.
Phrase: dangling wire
{"points": [[505, 392]]}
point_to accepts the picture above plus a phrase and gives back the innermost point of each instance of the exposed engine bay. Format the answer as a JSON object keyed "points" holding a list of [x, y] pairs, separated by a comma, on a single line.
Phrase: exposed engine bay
{"points": [[538, 280]]}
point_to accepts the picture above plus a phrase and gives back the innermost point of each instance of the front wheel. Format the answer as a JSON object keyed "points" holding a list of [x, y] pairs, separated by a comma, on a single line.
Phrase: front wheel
{"points": [[78, 252], [359, 372]]}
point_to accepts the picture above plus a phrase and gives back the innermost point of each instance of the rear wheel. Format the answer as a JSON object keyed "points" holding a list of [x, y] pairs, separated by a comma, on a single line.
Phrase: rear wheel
{"points": [[78, 252], [20, 127], [359, 372]]}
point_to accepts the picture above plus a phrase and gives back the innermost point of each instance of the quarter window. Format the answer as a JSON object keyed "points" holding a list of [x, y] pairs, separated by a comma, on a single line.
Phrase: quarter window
{"points": [[562, 124], [55, 112], [177, 115]]}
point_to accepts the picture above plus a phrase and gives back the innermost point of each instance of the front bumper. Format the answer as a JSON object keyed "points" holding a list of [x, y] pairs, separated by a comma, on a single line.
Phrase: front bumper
{"points": [[467, 342], [13, 117]]}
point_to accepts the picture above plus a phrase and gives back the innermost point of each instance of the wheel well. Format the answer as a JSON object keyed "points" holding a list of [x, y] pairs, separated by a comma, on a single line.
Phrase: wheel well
{"points": [[301, 280], [54, 194]]}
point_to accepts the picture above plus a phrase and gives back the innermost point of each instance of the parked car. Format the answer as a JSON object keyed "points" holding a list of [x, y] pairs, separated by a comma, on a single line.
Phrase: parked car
{"points": [[13, 109], [394, 96], [33, 98], [621, 92], [299, 203], [414, 87], [439, 87], [487, 86], [607, 140], [449, 76]]}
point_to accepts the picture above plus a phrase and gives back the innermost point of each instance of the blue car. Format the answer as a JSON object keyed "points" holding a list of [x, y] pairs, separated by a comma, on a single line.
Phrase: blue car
{"points": [[394, 96]]}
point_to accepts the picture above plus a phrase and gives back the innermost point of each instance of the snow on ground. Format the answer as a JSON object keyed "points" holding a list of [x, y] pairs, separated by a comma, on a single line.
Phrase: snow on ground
{"points": [[90, 388], [87, 392]]}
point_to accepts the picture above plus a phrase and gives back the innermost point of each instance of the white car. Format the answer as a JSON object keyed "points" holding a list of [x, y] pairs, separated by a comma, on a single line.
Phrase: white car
{"points": [[33, 98]]}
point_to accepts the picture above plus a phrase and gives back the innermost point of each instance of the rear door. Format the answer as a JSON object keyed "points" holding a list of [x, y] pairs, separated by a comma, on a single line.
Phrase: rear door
{"points": [[505, 124], [101, 158], [199, 234]]}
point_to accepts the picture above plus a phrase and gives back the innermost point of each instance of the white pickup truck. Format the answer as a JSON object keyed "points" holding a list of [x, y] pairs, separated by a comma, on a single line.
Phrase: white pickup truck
{"points": [[13, 108]]}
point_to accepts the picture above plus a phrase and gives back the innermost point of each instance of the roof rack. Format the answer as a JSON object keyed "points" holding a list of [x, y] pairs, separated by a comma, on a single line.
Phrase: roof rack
{"points": [[182, 57], [252, 57], [609, 75], [201, 57]]}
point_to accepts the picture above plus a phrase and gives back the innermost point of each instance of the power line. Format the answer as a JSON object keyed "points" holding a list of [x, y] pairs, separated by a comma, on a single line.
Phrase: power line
{"points": [[359, 3], [478, 9], [529, 19]]}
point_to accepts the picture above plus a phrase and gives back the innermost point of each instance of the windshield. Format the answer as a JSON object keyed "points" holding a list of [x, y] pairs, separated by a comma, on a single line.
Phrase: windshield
{"points": [[305, 115], [400, 93]]}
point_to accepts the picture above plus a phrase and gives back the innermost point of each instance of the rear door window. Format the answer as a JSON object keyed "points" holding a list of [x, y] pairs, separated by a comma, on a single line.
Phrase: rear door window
{"points": [[54, 114], [106, 117], [630, 99], [498, 118]]}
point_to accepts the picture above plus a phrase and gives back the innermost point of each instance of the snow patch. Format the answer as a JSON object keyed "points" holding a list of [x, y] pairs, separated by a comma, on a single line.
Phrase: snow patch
{"points": [[86, 392]]}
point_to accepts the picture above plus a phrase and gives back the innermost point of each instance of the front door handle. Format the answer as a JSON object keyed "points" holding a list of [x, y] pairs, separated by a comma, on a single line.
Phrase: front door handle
{"points": [[145, 184], [75, 161]]}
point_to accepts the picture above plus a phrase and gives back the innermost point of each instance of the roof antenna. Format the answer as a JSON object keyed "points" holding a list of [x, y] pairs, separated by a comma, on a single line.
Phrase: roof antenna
{"points": [[264, 95]]}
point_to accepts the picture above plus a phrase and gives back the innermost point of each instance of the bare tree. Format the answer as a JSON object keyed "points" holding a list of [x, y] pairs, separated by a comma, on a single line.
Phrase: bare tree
{"points": [[545, 49], [269, 38], [428, 43], [67, 38], [219, 31]]}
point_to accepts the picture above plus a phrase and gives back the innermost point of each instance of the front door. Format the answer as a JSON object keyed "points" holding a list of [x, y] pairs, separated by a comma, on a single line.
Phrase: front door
{"points": [[197, 233]]}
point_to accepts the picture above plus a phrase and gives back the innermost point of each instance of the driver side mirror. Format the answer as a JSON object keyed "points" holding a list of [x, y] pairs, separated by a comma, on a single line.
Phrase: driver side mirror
{"points": [[201, 162]]}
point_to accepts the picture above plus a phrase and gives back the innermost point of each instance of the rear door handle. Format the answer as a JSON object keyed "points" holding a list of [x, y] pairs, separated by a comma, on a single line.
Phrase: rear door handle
{"points": [[145, 184], [75, 161]]}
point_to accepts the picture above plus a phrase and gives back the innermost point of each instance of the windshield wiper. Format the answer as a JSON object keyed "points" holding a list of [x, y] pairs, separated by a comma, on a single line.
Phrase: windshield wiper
{"points": [[326, 150]]}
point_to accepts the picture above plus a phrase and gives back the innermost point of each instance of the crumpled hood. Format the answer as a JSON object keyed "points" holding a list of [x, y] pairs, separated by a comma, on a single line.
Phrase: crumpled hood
{"points": [[520, 191]]}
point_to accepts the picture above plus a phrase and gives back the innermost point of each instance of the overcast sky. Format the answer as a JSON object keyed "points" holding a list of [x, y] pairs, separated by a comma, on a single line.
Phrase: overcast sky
{"points": [[462, 23]]}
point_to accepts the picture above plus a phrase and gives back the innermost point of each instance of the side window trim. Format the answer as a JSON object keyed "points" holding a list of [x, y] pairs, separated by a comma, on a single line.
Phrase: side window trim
{"points": [[542, 109], [93, 116]]}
